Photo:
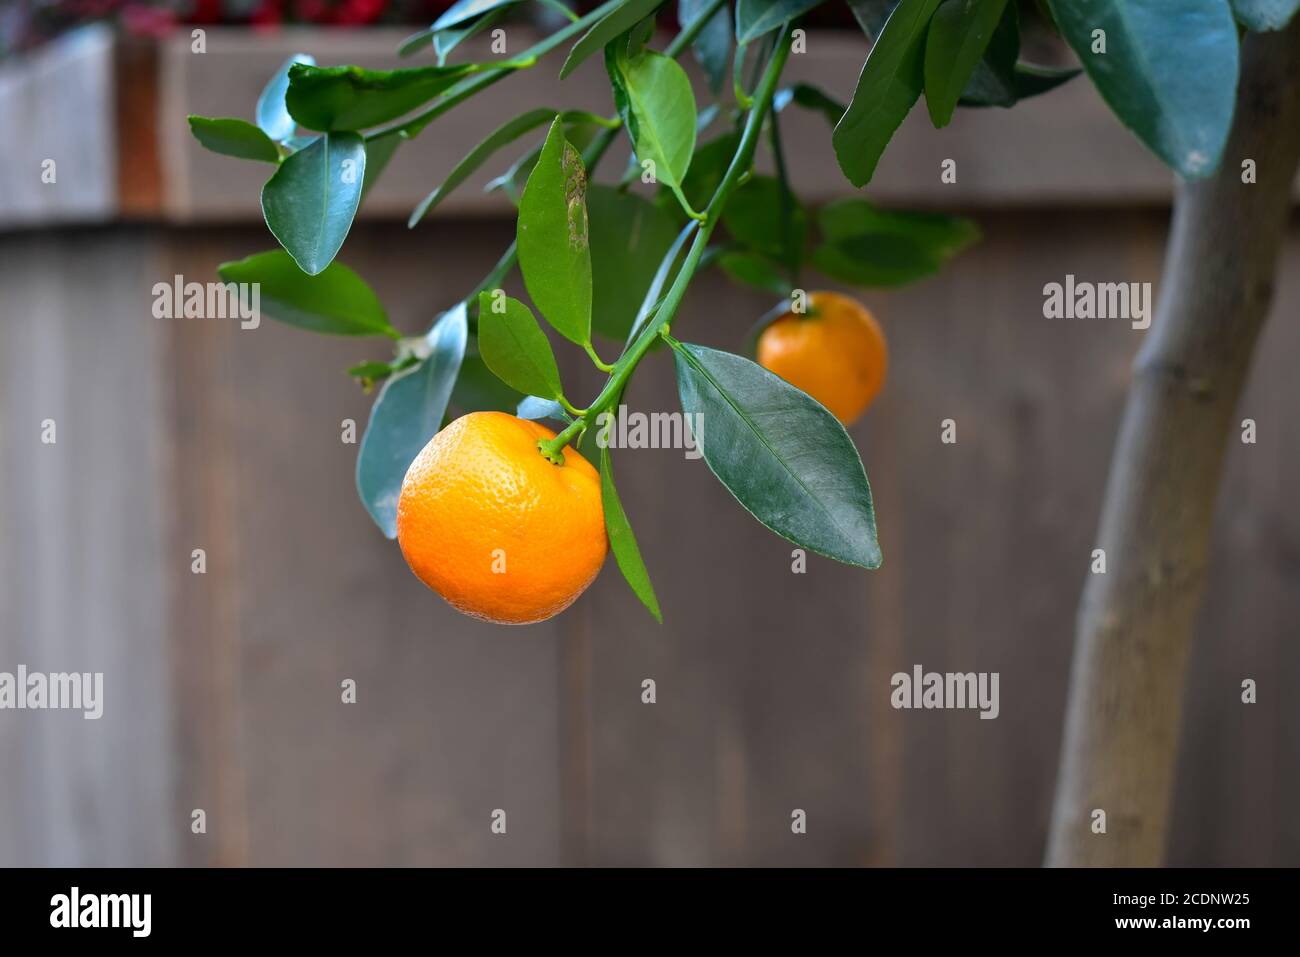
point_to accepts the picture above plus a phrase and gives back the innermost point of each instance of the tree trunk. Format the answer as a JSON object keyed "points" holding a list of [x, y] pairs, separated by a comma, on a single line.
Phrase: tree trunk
{"points": [[1135, 621]]}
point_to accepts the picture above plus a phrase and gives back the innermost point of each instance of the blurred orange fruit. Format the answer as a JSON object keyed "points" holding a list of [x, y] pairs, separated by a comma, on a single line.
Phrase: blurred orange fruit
{"points": [[836, 353], [493, 527]]}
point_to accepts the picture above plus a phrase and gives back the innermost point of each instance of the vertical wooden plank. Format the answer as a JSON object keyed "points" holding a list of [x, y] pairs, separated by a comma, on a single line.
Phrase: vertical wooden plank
{"points": [[81, 551]]}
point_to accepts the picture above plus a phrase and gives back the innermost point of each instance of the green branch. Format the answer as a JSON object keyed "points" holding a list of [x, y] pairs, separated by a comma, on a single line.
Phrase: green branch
{"points": [[736, 171]]}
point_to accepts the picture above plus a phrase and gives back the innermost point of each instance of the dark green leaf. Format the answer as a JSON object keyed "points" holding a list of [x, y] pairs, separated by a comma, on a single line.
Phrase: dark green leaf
{"points": [[335, 301], [756, 17], [622, 542], [958, 36], [379, 152], [655, 100], [405, 416], [888, 86], [508, 132], [554, 255], [867, 246], [1261, 15], [1000, 79], [478, 390], [1169, 75], [352, 98], [617, 21], [712, 45], [514, 347], [629, 237], [234, 137], [311, 200], [757, 271], [272, 115], [755, 220], [784, 457], [872, 14], [810, 98]]}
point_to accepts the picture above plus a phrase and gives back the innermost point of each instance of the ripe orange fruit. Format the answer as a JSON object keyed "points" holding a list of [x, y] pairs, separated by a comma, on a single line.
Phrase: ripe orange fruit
{"points": [[493, 527], [836, 353]]}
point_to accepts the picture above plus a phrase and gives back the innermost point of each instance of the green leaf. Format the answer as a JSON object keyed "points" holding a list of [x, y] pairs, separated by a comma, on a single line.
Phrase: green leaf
{"points": [[1261, 15], [445, 41], [379, 152], [753, 217], [755, 270], [958, 36], [535, 407], [478, 390], [629, 237], [554, 256], [810, 98], [784, 457], [514, 347], [712, 45], [272, 115], [311, 200], [464, 10], [872, 14], [352, 98], [756, 17], [888, 86], [622, 542], [868, 246], [654, 97], [617, 21], [416, 42], [1000, 79], [335, 301], [405, 416], [507, 132], [1169, 75], [234, 137]]}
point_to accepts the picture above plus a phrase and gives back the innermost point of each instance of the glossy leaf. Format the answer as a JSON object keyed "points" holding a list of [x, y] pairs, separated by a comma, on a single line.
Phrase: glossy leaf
{"points": [[514, 347], [272, 114], [959, 34], [654, 97], [554, 255], [1261, 15], [872, 14], [335, 301], [712, 45], [1169, 75], [406, 415], [784, 457], [535, 407], [616, 22], [888, 87], [353, 98], [465, 10], [234, 137], [757, 17], [507, 132], [310, 202], [622, 542], [629, 237]]}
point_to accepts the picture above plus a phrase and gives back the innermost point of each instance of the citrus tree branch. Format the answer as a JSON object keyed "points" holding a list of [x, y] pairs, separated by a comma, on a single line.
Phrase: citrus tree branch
{"points": [[740, 164], [1135, 621]]}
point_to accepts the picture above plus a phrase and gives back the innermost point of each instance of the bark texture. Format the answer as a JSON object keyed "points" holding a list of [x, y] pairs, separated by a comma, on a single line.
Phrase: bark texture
{"points": [[1135, 622]]}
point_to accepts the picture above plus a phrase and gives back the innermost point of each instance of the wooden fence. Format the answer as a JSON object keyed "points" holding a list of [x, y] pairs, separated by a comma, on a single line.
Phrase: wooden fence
{"points": [[222, 690]]}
